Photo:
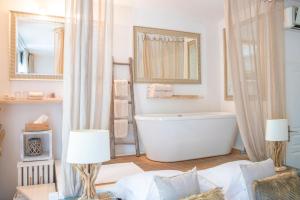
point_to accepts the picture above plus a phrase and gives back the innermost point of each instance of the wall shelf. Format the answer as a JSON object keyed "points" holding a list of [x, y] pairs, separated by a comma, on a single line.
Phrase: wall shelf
{"points": [[180, 97], [29, 101]]}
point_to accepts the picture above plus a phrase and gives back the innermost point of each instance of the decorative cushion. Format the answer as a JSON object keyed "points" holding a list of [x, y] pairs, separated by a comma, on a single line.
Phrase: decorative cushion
{"points": [[140, 186], [228, 176], [214, 194], [285, 186], [256, 171], [179, 186]]}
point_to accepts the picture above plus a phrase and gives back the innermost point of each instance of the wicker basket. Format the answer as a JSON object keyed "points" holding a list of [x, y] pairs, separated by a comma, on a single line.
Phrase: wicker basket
{"points": [[34, 147]]}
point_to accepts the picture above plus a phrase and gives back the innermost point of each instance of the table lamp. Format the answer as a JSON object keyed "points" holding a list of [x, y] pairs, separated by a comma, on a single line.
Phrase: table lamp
{"points": [[86, 151], [277, 133]]}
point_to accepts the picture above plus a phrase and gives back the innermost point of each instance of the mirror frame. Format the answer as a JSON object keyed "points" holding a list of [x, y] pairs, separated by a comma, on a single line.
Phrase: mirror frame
{"points": [[227, 97], [13, 46], [137, 29]]}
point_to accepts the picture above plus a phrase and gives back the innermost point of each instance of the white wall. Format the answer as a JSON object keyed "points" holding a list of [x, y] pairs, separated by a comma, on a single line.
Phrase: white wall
{"points": [[144, 13], [14, 117]]}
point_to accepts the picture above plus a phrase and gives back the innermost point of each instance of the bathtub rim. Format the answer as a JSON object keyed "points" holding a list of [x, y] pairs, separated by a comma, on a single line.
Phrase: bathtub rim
{"points": [[184, 116]]}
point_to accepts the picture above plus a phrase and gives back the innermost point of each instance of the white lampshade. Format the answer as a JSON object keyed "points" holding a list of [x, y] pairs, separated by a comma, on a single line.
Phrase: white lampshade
{"points": [[88, 147], [277, 130]]}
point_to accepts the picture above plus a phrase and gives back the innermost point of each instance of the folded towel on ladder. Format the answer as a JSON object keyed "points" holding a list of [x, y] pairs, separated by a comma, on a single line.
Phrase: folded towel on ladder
{"points": [[121, 88], [121, 128], [121, 108]]}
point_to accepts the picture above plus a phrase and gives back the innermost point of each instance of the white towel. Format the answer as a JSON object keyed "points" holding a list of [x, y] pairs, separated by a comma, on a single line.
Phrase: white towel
{"points": [[160, 87], [121, 88], [160, 91], [121, 108], [121, 128], [160, 94]]}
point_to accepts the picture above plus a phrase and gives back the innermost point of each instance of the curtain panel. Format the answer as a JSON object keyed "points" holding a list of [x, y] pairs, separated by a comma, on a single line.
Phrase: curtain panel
{"points": [[87, 76], [255, 35]]}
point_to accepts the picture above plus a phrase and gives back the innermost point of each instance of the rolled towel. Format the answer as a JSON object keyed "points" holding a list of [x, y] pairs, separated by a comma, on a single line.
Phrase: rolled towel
{"points": [[121, 108], [121, 128], [121, 88]]}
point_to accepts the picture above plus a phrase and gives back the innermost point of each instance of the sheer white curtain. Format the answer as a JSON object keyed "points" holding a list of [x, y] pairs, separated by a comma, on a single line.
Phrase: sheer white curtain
{"points": [[256, 54], [87, 75]]}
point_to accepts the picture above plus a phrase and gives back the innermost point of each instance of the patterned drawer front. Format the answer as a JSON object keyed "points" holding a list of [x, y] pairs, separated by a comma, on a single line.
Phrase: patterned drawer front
{"points": [[33, 173]]}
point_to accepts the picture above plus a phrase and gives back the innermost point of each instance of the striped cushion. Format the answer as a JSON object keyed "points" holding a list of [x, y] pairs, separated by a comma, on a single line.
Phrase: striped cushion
{"points": [[214, 194], [285, 186]]}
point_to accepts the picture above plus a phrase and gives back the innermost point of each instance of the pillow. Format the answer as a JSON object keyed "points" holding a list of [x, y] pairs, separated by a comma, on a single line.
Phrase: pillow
{"points": [[204, 184], [282, 186], [179, 186], [137, 186], [255, 171], [227, 176], [214, 194]]}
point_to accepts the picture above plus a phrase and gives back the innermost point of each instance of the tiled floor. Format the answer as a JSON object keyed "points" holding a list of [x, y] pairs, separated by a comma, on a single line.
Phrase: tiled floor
{"points": [[202, 163]]}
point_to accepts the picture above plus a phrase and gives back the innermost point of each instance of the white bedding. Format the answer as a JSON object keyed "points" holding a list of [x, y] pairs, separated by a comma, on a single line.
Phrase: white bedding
{"points": [[227, 176]]}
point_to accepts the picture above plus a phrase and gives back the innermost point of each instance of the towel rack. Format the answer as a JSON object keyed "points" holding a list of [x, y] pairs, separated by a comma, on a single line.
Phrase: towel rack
{"points": [[131, 121]]}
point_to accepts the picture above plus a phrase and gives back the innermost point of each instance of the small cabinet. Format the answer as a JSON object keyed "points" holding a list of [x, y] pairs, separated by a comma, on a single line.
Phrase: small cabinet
{"points": [[45, 137]]}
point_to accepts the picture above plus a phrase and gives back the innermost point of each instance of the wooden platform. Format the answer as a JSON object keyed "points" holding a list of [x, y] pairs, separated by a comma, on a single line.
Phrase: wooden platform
{"points": [[202, 163]]}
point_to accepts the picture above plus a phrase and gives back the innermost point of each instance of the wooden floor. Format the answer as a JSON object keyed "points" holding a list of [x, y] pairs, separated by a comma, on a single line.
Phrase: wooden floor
{"points": [[203, 163]]}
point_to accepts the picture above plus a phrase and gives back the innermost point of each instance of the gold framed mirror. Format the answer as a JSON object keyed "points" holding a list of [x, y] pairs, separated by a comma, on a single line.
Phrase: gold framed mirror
{"points": [[36, 46], [166, 56]]}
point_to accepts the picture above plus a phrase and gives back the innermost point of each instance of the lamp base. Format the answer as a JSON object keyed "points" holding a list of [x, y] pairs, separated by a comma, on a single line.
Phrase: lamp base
{"points": [[88, 174], [280, 169]]}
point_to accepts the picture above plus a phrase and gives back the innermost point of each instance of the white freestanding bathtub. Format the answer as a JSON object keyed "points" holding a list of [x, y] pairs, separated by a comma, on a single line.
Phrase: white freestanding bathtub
{"points": [[176, 137]]}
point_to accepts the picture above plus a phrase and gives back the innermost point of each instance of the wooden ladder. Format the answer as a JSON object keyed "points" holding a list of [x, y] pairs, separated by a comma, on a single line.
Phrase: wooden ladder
{"points": [[113, 141]]}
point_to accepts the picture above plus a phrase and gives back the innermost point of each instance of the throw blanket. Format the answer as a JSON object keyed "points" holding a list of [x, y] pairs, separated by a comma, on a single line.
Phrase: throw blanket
{"points": [[214, 194], [284, 186]]}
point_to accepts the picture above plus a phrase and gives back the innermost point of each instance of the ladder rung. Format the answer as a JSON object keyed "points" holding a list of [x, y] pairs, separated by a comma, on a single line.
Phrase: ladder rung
{"points": [[122, 99], [129, 82], [120, 63], [120, 118], [129, 122], [124, 143]]}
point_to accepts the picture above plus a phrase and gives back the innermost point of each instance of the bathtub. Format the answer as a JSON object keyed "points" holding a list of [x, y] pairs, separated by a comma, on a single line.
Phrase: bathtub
{"points": [[186, 136]]}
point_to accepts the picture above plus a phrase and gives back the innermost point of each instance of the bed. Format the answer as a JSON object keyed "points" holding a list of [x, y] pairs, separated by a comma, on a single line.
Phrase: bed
{"points": [[228, 176], [138, 185]]}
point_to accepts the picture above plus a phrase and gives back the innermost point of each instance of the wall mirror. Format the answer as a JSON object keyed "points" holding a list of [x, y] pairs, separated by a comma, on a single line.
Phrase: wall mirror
{"points": [[166, 56], [36, 46], [228, 87]]}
